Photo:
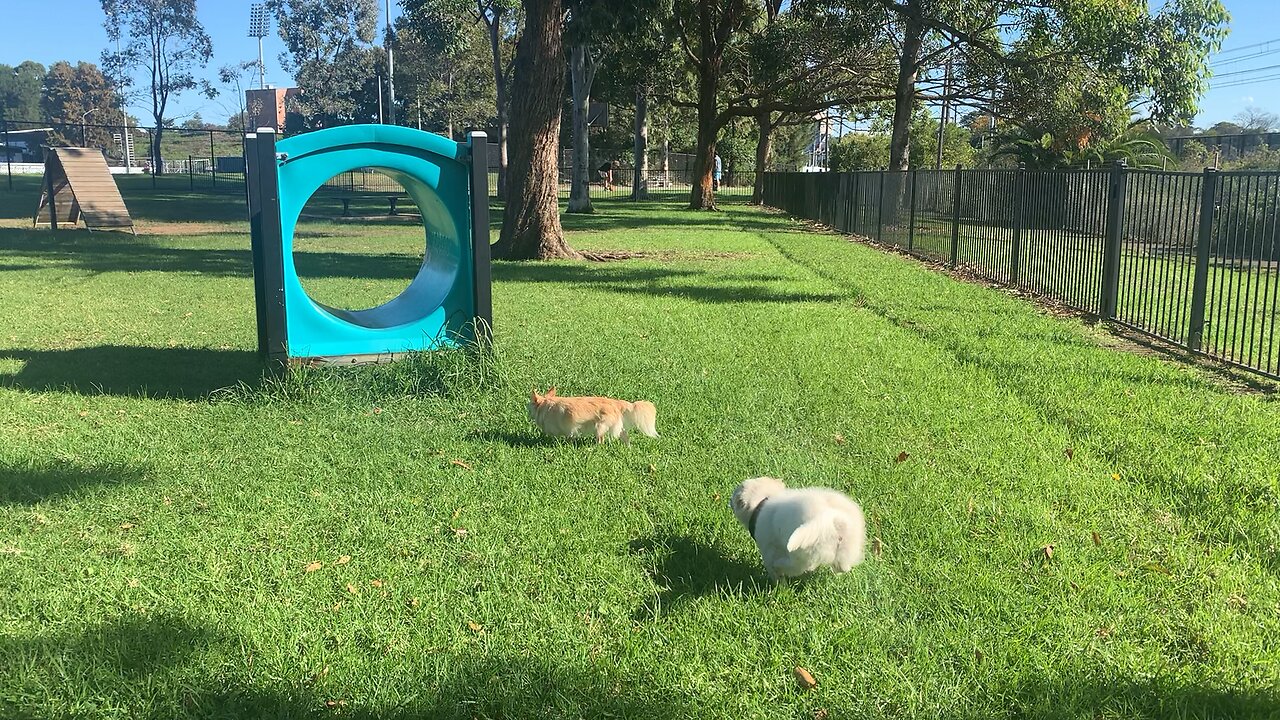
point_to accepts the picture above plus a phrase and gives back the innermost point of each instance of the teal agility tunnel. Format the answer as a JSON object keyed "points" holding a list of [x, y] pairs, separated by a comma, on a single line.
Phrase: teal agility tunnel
{"points": [[446, 303]]}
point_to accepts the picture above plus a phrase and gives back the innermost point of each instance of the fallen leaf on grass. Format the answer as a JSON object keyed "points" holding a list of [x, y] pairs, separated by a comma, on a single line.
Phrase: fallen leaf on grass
{"points": [[1158, 568], [352, 589], [312, 567], [133, 583], [10, 551], [376, 583], [377, 411], [716, 497], [335, 703], [460, 532], [902, 456], [1074, 586], [804, 679], [127, 526], [413, 602], [456, 513], [460, 464], [343, 560], [1047, 552], [1097, 541], [820, 714], [839, 439], [652, 469], [1070, 453], [877, 546], [84, 413], [978, 656], [475, 627]]}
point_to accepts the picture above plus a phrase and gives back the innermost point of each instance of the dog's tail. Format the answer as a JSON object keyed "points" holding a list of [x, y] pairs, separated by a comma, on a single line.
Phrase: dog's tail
{"points": [[643, 416], [824, 526]]}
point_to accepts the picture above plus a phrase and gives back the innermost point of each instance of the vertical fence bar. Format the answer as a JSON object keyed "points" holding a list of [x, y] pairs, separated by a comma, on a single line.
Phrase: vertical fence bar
{"points": [[8, 154], [911, 230], [880, 211], [191, 173], [955, 219], [1111, 257], [1015, 250], [213, 161], [1204, 238]]}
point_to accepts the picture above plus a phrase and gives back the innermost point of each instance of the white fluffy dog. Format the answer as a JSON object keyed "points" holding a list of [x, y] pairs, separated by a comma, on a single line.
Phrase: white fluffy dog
{"points": [[802, 529]]}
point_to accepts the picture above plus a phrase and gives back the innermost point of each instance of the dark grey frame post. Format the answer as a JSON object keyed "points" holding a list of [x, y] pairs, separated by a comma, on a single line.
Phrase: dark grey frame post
{"points": [[1019, 200], [48, 189], [1204, 240], [263, 186], [481, 273], [1109, 299]]}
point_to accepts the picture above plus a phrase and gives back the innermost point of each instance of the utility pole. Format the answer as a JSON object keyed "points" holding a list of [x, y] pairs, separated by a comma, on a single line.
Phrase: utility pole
{"points": [[391, 69], [942, 121]]}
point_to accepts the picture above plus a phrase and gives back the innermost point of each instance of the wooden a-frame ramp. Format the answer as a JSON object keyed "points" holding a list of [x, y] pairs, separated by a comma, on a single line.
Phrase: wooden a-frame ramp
{"points": [[78, 186]]}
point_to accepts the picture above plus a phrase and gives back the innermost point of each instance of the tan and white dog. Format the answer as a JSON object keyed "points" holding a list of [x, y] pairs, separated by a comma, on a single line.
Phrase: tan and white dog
{"points": [[587, 416], [800, 530]]}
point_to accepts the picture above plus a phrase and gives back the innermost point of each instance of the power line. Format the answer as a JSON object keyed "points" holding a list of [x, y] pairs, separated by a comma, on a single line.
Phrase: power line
{"points": [[1250, 71], [1243, 58], [1247, 47], [1245, 81]]}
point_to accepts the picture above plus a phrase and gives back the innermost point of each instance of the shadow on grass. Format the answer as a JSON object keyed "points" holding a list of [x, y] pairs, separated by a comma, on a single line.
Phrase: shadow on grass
{"points": [[185, 373], [30, 485], [686, 569], [114, 252], [1091, 694], [529, 439], [655, 282], [163, 666]]}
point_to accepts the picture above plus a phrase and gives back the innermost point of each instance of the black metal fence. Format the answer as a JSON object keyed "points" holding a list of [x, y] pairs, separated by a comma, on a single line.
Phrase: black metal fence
{"points": [[211, 160], [1189, 258]]}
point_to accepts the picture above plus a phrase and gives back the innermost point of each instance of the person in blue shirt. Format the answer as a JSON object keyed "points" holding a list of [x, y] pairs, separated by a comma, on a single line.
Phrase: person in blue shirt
{"points": [[715, 176]]}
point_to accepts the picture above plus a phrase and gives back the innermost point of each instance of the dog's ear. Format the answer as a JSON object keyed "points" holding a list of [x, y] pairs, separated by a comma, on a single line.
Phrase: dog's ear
{"points": [[551, 391], [534, 397]]}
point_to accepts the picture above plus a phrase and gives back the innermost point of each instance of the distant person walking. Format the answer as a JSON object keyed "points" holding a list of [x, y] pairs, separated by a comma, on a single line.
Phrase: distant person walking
{"points": [[605, 172], [715, 176]]}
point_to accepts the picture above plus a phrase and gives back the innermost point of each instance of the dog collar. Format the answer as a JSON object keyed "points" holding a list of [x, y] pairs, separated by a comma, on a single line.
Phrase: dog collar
{"points": [[751, 523]]}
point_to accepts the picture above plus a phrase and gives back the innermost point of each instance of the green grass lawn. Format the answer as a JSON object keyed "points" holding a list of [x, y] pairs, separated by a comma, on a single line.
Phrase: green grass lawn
{"points": [[397, 542]]}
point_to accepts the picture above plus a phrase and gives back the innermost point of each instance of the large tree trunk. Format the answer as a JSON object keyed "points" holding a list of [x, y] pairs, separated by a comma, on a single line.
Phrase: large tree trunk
{"points": [[640, 175], [531, 220], [500, 88], [702, 196], [582, 72], [764, 144], [905, 96]]}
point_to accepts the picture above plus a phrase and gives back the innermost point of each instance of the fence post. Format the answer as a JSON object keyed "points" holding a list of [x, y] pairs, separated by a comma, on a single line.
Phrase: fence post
{"points": [[8, 154], [1204, 239], [1019, 195], [191, 172], [955, 220], [880, 210], [911, 231], [213, 161], [856, 214], [1109, 300]]}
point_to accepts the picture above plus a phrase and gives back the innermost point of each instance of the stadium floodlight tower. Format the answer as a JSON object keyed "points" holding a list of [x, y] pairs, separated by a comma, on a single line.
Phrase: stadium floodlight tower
{"points": [[258, 23]]}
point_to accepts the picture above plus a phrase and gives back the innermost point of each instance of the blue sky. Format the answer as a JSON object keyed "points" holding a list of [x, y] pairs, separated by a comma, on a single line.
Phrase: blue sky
{"points": [[80, 36]]}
